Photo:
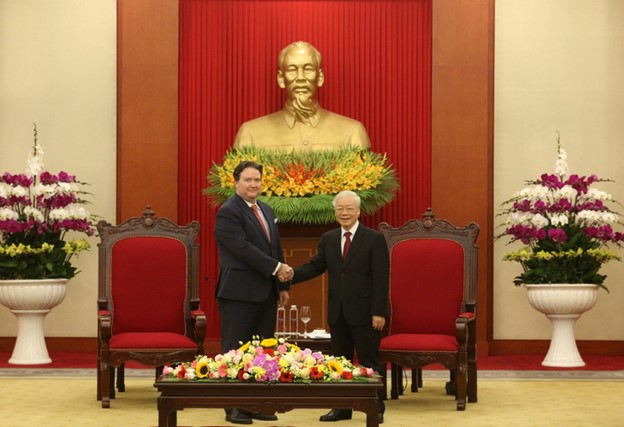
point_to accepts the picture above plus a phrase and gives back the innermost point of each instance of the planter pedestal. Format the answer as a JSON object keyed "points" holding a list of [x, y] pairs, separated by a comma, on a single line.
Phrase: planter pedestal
{"points": [[31, 301], [563, 304]]}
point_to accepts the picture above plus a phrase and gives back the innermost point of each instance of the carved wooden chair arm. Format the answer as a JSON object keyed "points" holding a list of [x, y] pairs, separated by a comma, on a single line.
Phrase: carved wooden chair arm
{"points": [[199, 318], [104, 325]]}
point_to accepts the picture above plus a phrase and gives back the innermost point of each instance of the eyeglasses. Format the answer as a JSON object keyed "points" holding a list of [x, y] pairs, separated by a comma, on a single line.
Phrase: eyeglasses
{"points": [[349, 209]]}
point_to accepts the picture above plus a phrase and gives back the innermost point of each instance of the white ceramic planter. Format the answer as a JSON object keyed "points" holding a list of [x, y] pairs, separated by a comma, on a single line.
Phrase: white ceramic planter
{"points": [[31, 301], [563, 304]]}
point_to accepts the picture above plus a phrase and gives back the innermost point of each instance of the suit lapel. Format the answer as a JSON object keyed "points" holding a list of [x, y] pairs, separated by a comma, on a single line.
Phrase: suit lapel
{"points": [[242, 204], [355, 243]]}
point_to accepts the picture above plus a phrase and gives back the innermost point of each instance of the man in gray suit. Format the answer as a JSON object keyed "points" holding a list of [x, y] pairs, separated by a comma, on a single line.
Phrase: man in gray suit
{"points": [[250, 255], [357, 261]]}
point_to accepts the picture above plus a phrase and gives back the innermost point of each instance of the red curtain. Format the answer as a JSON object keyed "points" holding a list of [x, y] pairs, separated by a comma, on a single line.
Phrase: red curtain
{"points": [[377, 65]]}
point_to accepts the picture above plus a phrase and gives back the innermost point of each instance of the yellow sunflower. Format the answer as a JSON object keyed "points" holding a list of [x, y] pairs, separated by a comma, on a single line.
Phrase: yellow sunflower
{"points": [[335, 366], [202, 369], [268, 343]]}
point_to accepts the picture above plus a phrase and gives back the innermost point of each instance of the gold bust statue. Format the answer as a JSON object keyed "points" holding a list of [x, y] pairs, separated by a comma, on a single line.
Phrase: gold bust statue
{"points": [[302, 123]]}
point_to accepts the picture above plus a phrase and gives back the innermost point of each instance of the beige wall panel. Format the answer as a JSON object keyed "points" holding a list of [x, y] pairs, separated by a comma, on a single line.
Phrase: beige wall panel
{"points": [[559, 68], [57, 68]]}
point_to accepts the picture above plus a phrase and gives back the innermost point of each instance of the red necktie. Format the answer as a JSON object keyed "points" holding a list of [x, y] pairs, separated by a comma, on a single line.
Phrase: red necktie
{"points": [[347, 244], [255, 210]]}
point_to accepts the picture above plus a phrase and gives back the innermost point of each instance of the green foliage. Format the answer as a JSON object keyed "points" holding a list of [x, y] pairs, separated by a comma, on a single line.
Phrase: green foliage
{"points": [[300, 185]]}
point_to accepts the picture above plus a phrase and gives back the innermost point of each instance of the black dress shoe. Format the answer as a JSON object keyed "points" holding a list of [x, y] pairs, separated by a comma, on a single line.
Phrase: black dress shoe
{"points": [[380, 417], [337, 415], [237, 416], [259, 416]]}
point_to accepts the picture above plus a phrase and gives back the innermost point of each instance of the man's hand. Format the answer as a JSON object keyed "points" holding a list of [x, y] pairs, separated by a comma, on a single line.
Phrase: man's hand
{"points": [[379, 322], [285, 273], [283, 298]]}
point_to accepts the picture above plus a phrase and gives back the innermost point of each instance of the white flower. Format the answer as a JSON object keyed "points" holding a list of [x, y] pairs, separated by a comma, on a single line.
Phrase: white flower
{"points": [[19, 191], [77, 211], [557, 220], [6, 213], [533, 192], [561, 165], [232, 372], [34, 213], [596, 217], [44, 190], [67, 187], [598, 194], [539, 221], [189, 375], [540, 192], [586, 216], [34, 164], [72, 211], [519, 218], [5, 190], [566, 192], [610, 217]]}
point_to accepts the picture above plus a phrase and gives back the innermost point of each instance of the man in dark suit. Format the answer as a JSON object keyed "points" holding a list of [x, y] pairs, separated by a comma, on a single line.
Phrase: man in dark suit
{"points": [[250, 255], [358, 288]]}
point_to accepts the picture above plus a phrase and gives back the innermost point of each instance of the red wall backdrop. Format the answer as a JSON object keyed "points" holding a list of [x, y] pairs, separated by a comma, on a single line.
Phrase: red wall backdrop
{"points": [[377, 65]]}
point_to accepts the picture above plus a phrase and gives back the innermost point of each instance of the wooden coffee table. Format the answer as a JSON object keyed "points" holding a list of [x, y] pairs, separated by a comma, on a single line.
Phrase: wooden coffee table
{"points": [[266, 398]]}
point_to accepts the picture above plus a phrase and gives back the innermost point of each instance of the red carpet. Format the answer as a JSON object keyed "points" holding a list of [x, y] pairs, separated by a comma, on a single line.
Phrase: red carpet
{"points": [[506, 362]]}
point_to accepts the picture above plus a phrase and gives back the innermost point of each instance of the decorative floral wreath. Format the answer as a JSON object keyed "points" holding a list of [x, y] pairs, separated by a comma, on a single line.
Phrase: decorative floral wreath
{"points": [[300, 185]]}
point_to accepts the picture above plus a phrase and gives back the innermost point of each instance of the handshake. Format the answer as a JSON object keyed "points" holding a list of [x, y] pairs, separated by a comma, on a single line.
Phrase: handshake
{"points": [[285, 273]]}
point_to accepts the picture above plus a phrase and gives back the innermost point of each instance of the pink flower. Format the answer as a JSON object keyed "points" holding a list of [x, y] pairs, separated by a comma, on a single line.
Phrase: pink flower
{"points": [[557, 235]]}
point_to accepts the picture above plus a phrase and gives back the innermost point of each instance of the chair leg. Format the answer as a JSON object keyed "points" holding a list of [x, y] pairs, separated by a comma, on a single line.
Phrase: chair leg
{"points": [[99, 381], [416, 379], [395, 381], [472, 379], [111, 382], [384, 381], [461, 381], [451, 385], [121, 378], [104, 379]]}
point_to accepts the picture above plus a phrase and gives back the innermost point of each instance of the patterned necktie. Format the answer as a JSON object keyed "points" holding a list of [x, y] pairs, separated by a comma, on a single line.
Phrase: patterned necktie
{"points": [[347, 245], [255, 210]]}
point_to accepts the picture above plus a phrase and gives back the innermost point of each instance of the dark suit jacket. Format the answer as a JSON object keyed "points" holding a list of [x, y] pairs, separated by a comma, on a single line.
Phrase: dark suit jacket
{"points": [[248, 259], [359, 285]]}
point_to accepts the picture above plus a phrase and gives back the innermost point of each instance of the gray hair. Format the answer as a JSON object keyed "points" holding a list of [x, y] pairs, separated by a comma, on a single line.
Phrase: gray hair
{"points": [[347, 193]]}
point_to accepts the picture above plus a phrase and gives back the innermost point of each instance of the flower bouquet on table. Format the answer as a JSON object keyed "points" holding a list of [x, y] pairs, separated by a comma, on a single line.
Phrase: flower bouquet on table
{"points": [[565, 225], [269, 360], [38, 212]]}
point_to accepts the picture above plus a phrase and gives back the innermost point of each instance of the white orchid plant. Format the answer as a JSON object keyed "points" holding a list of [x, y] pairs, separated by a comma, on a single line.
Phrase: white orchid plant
{"points": [[38, 213], [566, 227]]}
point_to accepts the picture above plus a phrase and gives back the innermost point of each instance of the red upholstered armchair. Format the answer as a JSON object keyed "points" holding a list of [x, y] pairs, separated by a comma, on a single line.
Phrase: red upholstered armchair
{"points": [[148, 297], [433, 300]]}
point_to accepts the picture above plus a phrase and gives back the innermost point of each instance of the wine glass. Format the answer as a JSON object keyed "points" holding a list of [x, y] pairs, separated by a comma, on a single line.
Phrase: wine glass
{"points": [[305, 315]]}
